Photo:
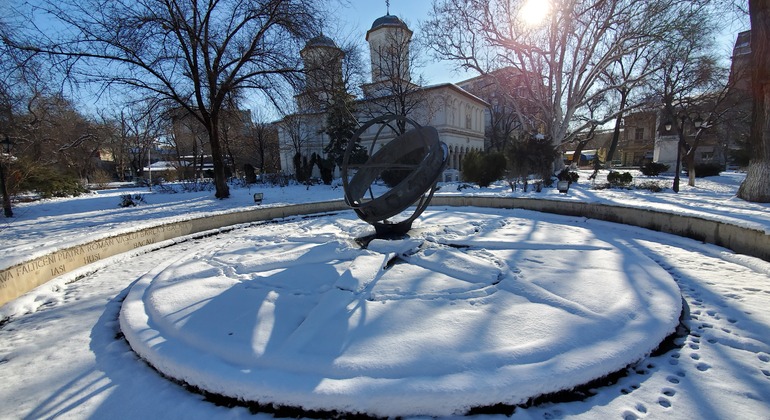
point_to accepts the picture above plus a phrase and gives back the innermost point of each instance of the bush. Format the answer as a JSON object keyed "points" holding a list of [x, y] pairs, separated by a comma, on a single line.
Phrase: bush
{"points": [[49, 183], [567, 175], [197, 185], [131, 200], [325, 167], [654, 168], [166, 176], [703, 170], [617, 179], [531, 156], [651, 186], [100, 178], [483, 168]]}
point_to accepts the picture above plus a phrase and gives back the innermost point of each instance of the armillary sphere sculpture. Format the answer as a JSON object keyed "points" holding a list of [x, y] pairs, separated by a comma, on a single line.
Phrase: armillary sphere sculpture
{"points": [[418, 153]]}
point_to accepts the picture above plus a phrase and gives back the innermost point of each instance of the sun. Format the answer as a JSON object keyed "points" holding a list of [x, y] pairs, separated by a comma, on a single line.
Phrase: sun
{"points": [[533, 12]]}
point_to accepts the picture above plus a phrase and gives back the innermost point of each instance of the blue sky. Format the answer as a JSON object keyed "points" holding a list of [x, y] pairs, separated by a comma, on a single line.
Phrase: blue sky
{"points": [[356, 17]]}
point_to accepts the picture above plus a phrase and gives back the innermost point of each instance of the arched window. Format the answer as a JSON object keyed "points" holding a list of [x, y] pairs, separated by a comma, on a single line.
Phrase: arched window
{"points": [[468, 117]]}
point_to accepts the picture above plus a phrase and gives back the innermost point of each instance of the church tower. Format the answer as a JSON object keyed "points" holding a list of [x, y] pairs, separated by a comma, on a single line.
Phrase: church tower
{"points": [[389, 40], [323, 73]]}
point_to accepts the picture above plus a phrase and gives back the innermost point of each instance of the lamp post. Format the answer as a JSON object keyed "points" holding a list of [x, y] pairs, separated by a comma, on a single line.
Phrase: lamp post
{"points": [[149, 167], [7, 143], [668, 126]]}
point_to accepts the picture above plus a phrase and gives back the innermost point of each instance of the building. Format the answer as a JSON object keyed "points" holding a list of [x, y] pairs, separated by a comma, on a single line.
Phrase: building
{"points": [[457, 115], [508, 96], [636, 145]]}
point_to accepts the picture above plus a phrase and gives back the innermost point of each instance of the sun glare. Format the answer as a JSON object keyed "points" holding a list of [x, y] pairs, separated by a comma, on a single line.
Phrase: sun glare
{"points": [[533, 12]]}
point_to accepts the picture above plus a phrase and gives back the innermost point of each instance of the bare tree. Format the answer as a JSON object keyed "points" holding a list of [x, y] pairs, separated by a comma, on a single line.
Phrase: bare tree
{"points": [[756, 186], [502, 90], [138, 126], [566, 60], [691, 86], [630, 75], [263, 147], [296, 129], [192, 53]]}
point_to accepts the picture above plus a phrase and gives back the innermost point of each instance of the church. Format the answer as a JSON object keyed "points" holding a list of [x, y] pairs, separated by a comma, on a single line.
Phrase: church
{"points": [[458, 116]]}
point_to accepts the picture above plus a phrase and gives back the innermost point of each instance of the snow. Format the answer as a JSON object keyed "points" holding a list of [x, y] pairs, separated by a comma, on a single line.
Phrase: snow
{"points": [[478, 306]]}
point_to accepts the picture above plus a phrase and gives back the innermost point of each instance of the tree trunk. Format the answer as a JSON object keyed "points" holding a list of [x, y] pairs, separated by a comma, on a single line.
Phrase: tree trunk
{"points": [[690, 169], [616, 131], [575, 162], [756, 187], [220, 177]]}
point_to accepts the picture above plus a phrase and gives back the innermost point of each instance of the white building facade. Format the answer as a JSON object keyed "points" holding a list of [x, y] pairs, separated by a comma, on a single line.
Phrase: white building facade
{"points": [[457, 115]]}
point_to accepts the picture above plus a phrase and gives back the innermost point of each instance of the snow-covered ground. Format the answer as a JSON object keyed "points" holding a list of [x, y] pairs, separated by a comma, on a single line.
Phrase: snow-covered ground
{"points": [[62, 353]]}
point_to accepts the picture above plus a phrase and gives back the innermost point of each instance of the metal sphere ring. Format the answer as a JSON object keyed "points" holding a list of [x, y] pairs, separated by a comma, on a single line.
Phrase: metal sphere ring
{"points": [[418, 153]]}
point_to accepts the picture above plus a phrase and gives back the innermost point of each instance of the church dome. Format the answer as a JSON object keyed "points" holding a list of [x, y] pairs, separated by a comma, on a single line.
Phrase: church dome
{"points": [[321, 41], [388, 20]]}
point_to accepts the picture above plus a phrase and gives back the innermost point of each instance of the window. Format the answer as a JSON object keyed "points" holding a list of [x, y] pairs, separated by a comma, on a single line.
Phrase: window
{"points": [[639, 134], [468, 118], [707, 155]]}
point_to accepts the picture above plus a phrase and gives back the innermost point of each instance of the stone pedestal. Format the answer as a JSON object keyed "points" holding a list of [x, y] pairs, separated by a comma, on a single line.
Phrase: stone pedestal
{"points": [[666, 151]]}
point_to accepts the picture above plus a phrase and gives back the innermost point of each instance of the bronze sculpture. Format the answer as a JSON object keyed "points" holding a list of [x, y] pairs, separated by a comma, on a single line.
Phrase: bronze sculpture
{"points": [[416, 187]]}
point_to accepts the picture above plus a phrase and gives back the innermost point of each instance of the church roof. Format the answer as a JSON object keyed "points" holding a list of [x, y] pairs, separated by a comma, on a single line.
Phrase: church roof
{"points": [[388, 20], [321, 41]]}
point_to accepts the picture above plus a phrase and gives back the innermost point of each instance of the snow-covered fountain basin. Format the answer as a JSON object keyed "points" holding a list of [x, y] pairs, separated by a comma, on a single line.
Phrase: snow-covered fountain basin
{"points": [[475, 307]]}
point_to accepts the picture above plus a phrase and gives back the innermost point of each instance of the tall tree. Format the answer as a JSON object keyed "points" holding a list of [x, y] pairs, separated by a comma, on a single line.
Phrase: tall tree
{"points": [[341, 124], [756, 186], [299, 133], [137, 127], [192, 53], [690, 84], [566, 58]]}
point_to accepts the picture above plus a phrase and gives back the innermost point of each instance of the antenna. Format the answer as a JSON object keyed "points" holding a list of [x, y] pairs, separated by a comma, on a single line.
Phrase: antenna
{"points": [[387, 7]]}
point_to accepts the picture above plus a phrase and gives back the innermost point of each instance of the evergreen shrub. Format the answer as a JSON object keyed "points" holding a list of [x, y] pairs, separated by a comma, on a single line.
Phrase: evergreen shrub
{"points": [[618, 179], [654, 168], [483, 168], [131, 200], [48, 182], [651, 186], [703, 170], [567, 175]]}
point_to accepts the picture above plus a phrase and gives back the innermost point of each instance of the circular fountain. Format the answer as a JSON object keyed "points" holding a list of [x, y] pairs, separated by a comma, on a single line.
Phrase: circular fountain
{"points": [[477, 307]]}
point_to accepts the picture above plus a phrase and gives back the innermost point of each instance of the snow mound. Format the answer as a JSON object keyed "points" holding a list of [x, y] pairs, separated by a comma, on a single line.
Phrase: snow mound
{"points": [[431, 325]]}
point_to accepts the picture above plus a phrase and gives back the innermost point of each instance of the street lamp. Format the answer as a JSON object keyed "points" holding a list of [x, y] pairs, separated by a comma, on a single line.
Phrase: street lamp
{"points": [[149, 167], [7, 143], [678, 169]]}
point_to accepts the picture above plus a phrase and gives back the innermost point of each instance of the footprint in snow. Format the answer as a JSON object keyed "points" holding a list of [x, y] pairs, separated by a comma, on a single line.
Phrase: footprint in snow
{"points": [[630, 415], [669, 392]]}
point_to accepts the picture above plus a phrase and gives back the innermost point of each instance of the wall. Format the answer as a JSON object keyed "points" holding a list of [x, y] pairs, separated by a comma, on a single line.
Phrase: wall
{"points": [[21, 278], [743, 240]]}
